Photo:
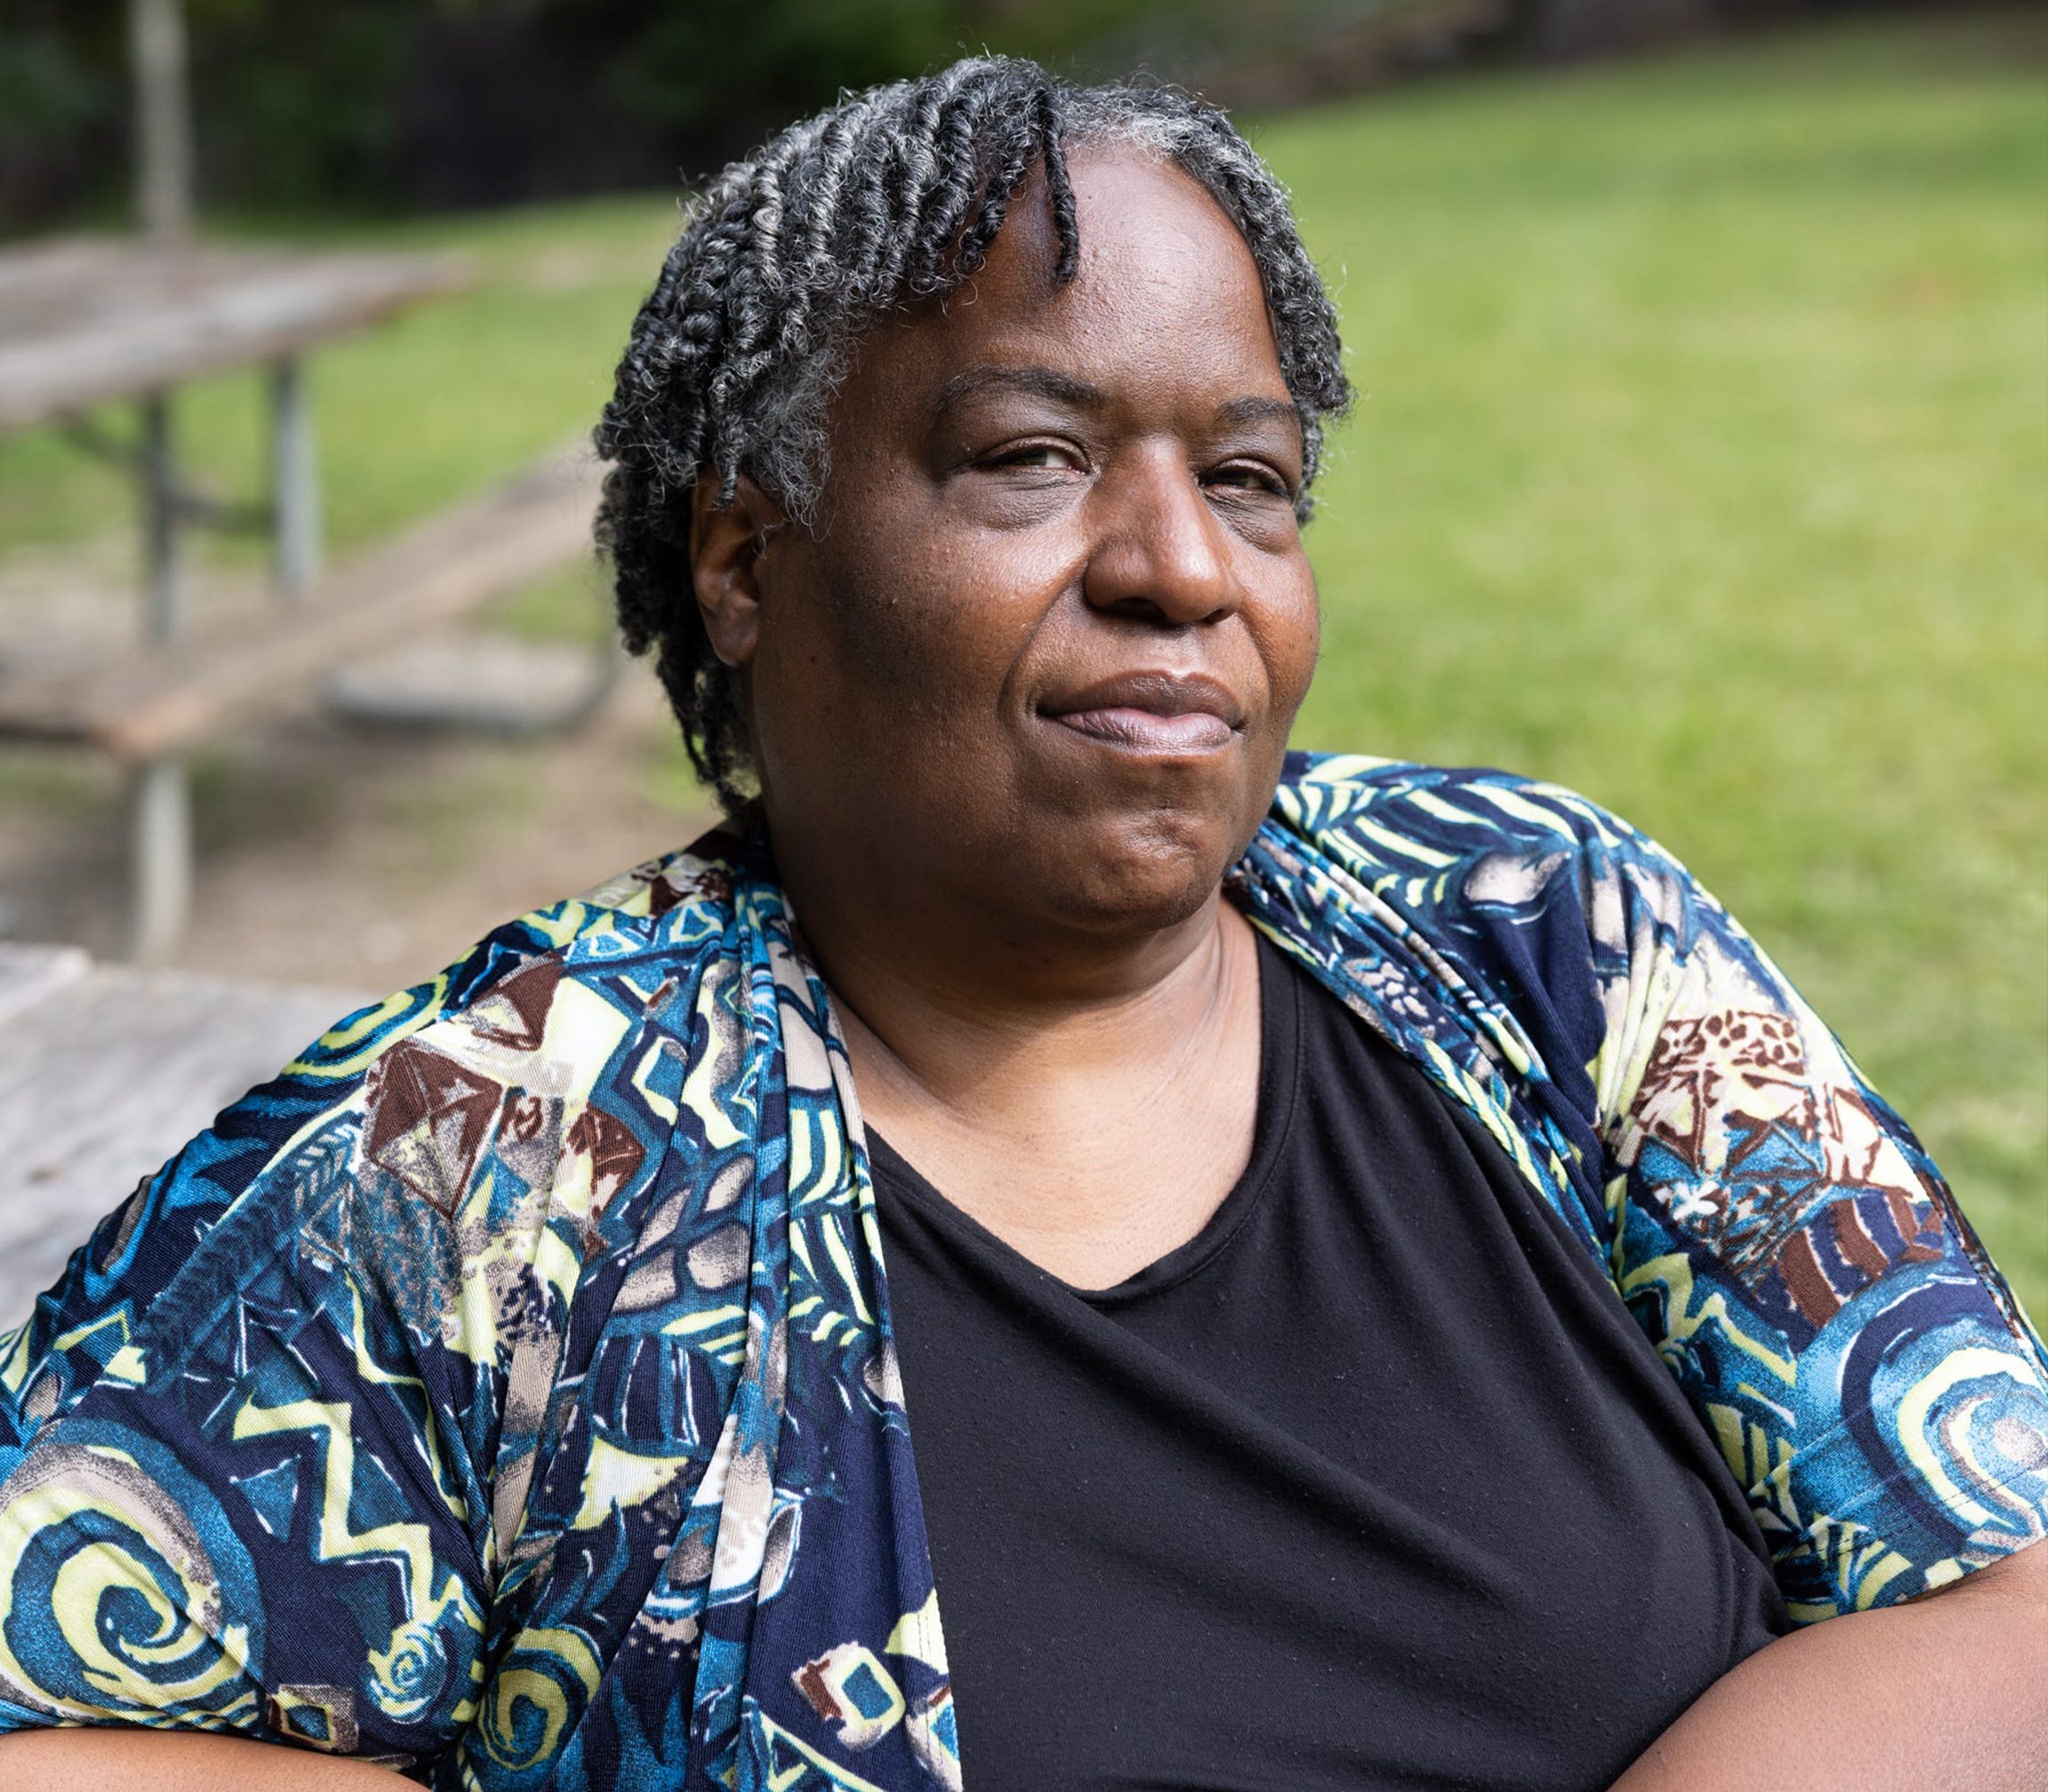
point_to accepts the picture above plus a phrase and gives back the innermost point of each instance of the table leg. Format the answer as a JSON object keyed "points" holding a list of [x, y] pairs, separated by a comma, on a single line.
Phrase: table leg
{"points": [[160, 808], [294, 480], [160, 865], [160, 580]]}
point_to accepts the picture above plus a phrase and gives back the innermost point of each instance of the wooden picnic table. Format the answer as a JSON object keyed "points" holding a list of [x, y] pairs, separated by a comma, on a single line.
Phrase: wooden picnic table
{"points": [[87, 320], [85, 323]]}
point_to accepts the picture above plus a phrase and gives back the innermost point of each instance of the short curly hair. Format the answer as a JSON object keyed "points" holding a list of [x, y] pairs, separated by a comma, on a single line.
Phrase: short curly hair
{"points": [[893, 195]]}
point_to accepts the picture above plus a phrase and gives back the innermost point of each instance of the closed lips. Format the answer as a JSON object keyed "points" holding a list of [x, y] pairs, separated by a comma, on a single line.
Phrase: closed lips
{"points": [[1152, 712]]}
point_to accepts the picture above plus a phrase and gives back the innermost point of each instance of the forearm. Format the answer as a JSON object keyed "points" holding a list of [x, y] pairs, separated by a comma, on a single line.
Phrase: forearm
{"points": [[1950, 1691], [93, 1760]]}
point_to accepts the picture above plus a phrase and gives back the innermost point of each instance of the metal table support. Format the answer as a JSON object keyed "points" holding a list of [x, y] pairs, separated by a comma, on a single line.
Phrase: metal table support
{"points": [[294, 480], [160, 800]]}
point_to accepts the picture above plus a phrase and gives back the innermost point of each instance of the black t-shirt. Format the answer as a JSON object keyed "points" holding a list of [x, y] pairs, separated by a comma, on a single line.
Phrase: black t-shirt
{"points": [[1375, 1482]]}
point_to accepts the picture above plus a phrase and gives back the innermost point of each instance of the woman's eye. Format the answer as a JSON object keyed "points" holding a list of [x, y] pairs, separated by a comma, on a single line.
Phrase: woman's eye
{"points": [[1033, 455], [1242, 476]]}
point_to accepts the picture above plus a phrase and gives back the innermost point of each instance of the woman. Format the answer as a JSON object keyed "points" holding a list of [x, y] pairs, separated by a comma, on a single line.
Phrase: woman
{"points": [[1392, 1286]]}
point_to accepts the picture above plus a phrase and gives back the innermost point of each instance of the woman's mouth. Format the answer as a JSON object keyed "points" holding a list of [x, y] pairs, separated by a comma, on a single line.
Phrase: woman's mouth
{"points": [[1192, 731], [1152, 712]]}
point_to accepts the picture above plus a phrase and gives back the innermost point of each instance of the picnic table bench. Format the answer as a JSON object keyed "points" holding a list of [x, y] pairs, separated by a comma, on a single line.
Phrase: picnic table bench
{"points": [[85, 323]]}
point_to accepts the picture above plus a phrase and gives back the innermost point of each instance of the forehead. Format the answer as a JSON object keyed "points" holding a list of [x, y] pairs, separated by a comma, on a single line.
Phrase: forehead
{"points": [[1165, 295]]}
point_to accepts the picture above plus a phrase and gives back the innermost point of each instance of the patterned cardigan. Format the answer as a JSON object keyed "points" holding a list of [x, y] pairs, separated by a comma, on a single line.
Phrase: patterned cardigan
{"points": [[507, 1390]]}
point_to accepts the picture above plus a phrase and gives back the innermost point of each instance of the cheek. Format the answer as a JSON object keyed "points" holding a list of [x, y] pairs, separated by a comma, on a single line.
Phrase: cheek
{"points": [[1290, 637], [891, 660], [939, 631]]}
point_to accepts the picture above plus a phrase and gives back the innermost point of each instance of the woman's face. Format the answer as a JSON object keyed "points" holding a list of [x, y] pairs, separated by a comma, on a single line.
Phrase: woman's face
{"points": [[1043, 650]]}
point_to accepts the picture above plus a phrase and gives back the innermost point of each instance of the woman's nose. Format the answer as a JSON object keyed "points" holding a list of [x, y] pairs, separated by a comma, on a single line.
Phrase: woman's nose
{"points": [[1159, 549]]}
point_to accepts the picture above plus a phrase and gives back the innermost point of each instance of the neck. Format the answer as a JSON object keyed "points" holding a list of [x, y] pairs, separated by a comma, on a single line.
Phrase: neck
{"points": [[1088, 1094], [958, 1014]]}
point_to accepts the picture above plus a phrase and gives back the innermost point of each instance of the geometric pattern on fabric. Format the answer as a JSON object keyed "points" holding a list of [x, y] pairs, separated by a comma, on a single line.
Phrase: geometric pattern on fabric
{"points": [[507, 1390]]}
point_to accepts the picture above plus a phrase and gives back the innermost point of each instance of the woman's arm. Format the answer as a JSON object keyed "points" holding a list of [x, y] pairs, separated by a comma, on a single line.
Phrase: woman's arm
{"points": [[93, 1760], [1950, 1690]]}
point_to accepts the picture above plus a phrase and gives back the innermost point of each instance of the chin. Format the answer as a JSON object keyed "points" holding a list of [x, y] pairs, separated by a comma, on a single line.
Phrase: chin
{"points": [[1144, 873]]}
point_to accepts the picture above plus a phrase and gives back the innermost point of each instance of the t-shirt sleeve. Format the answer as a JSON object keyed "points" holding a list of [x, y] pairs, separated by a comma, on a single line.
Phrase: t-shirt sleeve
{"points": [[249, 1442], [1799, 1262]]}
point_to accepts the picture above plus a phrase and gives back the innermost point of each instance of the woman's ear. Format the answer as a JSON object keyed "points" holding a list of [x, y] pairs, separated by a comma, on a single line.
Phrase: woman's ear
{"points": [[727, 542]]}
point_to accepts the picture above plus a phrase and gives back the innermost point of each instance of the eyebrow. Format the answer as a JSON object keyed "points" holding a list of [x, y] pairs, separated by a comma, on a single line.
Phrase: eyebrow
{"points": [[1242, 411], [1045, 382], [1064, 388]]}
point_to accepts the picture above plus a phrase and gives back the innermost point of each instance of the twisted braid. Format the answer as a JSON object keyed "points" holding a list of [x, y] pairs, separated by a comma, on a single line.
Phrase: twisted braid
{"points": [[893, 194]]}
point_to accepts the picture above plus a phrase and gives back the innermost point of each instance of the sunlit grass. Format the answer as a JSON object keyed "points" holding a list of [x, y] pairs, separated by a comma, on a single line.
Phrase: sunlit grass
{"points": [[1702, 464]]}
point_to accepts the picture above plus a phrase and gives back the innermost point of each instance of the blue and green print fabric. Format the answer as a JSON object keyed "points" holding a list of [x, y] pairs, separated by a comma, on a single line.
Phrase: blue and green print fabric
{"points": [[507, 1392]]}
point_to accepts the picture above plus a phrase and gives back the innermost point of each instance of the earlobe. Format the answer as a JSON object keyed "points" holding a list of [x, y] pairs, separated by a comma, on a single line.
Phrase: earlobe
{"points": [[727, 545]]}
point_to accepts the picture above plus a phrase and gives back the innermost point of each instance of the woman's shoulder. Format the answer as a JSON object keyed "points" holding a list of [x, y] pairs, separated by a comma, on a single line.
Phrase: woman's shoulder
{"points": [[1413, 815], [1474, 849], [665, 918], [452, 1120]]}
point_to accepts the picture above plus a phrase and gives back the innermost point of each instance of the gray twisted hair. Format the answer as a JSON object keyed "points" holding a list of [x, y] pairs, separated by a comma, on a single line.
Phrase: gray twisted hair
{"points": [[893, 195]]}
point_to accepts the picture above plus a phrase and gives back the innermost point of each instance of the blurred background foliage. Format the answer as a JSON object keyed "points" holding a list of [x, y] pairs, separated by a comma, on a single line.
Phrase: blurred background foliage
{"points": [[1701, 461], [403, 104]]}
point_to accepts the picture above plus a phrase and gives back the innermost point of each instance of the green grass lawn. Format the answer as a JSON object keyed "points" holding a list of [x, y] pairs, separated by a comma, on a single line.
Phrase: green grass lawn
{"points": [[1702, 463]]}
